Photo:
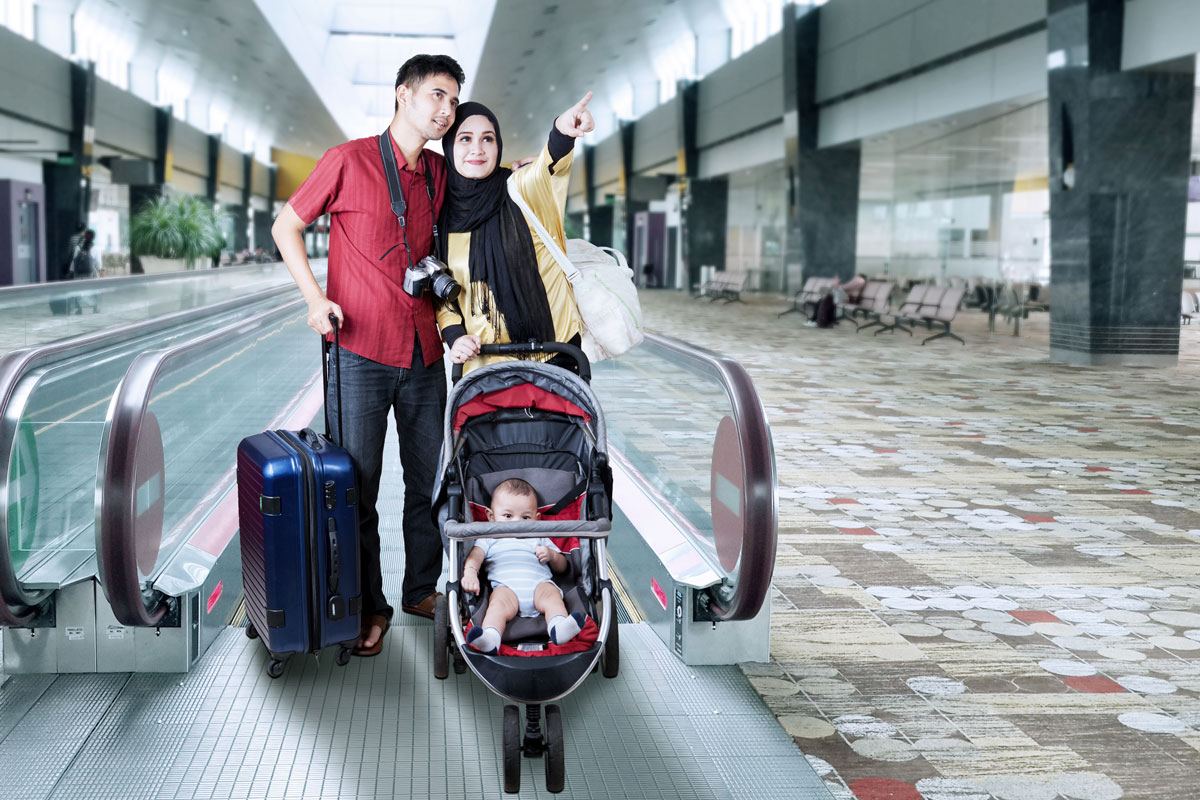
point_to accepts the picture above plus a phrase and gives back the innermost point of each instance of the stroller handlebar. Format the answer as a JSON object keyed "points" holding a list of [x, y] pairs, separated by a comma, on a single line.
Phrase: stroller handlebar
{"points": [[525, 348], [582, 529]]}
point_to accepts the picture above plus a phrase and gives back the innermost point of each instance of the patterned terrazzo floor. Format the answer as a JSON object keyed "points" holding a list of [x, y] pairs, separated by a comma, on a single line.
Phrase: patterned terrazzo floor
{"points": [[988, 576]]}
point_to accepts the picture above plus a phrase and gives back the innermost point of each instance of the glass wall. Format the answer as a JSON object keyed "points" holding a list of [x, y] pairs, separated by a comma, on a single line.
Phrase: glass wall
{"points": [[757, 222], [964, 199]]}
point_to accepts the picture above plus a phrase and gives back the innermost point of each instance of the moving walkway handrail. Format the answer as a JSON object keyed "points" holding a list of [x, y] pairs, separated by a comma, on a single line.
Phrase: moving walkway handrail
{"points": [[116, 281], [19, 607], [760, 510], [116, 489]]}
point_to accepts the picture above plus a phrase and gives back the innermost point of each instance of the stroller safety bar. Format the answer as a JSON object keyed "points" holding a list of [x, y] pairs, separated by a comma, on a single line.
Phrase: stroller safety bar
{"points": [[526, 348], [584, 529]]}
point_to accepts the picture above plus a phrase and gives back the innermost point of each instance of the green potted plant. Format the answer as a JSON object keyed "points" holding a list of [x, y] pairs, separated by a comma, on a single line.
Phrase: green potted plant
{"points": [[175, 231]]}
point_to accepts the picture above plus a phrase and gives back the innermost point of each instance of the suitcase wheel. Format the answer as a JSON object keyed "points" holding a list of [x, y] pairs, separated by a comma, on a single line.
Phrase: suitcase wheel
{"points": [[343, 656], [251, 633], [275, 668]]}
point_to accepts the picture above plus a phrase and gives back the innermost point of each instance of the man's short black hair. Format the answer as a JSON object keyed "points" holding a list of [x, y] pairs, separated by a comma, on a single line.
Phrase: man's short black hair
{"points": [[422, 66]]}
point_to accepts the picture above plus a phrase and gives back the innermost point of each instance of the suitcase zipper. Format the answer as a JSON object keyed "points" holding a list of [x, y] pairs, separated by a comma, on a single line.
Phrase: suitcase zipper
{"points": [[316, 607]]}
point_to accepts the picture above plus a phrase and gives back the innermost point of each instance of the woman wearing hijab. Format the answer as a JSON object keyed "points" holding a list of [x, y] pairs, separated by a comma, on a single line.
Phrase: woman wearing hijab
{"points": [[512, 288]]}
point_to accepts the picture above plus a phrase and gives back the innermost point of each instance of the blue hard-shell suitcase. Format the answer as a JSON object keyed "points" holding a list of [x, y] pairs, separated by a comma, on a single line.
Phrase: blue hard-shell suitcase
{"points": [[298, 511]]}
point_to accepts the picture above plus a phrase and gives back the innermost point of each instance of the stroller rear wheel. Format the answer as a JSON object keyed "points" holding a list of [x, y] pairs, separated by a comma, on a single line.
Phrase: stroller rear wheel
{"points": [[556, 767], [441, 638], [512, 749]]}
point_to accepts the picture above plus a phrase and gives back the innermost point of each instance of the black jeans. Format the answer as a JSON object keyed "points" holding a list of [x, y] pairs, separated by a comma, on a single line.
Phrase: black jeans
{"points": [[417, 397]]}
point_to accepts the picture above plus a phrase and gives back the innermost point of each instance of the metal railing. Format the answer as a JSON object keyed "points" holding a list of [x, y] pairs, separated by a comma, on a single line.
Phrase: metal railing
{"points": [[131, 551], [19, 605]]}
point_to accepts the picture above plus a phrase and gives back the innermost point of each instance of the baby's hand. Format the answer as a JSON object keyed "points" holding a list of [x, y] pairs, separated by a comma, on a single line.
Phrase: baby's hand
{"points": [[543, 553], [470, 582]]}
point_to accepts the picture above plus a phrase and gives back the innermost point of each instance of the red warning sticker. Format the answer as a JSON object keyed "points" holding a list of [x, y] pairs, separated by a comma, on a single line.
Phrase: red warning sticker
{"points": [[659, 593], [215, 596]]}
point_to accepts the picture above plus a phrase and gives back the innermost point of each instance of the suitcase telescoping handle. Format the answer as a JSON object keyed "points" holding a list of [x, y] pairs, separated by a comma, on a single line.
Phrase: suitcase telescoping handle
{"points": [[523, 348], [337, 354]]}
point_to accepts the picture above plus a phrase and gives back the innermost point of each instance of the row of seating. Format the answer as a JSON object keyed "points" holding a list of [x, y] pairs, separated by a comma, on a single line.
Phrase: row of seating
{"points": [[935, 306], [727, 286]]}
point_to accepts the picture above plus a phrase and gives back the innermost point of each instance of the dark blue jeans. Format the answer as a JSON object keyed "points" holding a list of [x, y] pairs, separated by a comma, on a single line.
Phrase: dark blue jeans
{"points": [[417, 397]]}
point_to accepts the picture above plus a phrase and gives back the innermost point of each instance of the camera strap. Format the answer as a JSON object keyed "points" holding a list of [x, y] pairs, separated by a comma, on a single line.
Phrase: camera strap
{"points": [[399, 207]]}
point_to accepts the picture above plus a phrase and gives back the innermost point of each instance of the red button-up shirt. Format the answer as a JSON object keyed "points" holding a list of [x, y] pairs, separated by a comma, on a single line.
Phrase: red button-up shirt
{"points": [[348, 183]]}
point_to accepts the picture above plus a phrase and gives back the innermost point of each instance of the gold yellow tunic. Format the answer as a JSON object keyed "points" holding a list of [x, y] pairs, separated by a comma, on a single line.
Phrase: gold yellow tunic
{"points": [[546, 195]]}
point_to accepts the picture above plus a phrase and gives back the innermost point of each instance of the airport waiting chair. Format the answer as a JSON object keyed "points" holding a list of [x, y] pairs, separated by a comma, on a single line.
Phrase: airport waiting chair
{"points": [[864, 301], [805, 301], [873, 304], [943, 314], [908, 310], [1188, 306]]}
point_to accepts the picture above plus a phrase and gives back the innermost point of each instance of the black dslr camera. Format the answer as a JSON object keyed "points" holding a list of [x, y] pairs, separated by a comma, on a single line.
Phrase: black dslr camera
{"points": [[431, 275]]}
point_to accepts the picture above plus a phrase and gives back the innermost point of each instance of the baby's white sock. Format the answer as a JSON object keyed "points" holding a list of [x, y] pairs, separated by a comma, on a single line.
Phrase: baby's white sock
{"points": [[564, 629], [486, 640]]}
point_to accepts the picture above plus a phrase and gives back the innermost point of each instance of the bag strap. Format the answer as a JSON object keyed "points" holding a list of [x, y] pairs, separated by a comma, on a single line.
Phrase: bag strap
{"points": [[396, 193], [617, 255], [573, 273]]}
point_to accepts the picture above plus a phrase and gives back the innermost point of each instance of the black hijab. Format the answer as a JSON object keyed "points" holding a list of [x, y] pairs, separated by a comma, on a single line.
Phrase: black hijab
{"points": [[503, 264]]}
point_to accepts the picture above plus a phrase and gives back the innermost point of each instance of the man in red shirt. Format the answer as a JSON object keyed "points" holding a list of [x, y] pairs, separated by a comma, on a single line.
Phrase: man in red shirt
{"points": [[391, 353]]}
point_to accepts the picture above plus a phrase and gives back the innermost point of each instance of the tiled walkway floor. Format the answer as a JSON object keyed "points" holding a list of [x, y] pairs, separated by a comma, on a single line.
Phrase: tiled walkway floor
{"points": [[988, 575]]}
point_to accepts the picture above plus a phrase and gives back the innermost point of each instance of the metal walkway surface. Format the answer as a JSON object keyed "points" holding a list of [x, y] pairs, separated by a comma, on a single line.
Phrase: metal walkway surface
{"points": [[385, 727]]}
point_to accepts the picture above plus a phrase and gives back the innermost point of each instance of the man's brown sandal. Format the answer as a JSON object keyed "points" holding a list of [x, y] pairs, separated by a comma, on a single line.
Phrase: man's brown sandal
{"points": [[373, 621]]}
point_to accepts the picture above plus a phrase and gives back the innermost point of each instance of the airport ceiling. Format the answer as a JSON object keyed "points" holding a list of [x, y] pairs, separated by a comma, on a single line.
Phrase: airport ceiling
{"points": [[303, 75], [541, 57], [227, 57]]}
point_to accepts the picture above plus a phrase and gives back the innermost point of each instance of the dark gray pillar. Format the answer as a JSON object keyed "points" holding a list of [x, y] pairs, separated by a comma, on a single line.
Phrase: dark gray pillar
{"points": [[822, 227], [214, 167], [241, 215], [707, 214], [589, 175], [141, 194], [690, 210], [1119, 164], [69, 181], [624, 209]]}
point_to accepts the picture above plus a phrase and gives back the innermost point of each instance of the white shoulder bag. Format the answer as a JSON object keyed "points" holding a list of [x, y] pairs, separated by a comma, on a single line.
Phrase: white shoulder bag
{"points": [[604, 289]]}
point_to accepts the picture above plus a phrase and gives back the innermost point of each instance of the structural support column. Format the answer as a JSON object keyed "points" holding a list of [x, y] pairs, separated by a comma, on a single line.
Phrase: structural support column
{"points": [[214, 167], [703, 204], [1119, 164], [822, 223], [69, 182], [623, 211], [241, 215], [139, 196]]}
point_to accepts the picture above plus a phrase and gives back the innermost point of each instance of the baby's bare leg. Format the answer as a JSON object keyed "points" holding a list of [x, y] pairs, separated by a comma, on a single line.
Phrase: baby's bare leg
{"points": [[502, 606], [548, 600]]}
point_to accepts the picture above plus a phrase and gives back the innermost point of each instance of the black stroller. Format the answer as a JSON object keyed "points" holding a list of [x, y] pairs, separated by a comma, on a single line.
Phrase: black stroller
{"points": [[540, 423]]}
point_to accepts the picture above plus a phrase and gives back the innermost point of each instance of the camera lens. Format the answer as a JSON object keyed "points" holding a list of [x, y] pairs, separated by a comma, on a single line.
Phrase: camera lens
{"points": [[445, 287]]}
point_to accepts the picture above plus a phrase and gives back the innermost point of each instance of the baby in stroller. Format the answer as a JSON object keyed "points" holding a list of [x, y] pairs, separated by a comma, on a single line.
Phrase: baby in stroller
{"points": [[520, 572], [543, 425]]}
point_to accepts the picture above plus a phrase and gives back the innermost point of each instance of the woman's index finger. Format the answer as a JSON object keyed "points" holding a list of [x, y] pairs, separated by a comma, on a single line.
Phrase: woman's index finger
{"points": [[582, 104]]}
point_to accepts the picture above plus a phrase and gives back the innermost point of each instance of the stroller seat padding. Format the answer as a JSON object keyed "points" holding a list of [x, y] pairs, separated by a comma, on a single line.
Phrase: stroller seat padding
{"points": [[550, 484], [532, 629]]}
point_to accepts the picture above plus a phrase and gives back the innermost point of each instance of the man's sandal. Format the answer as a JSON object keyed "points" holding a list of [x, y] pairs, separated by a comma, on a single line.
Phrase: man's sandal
{"points": [[373, 621]]}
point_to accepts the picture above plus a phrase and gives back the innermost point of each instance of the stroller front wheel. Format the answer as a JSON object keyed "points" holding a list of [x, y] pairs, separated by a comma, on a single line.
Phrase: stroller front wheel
{"points": [[556, 767], [512, 749]]}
